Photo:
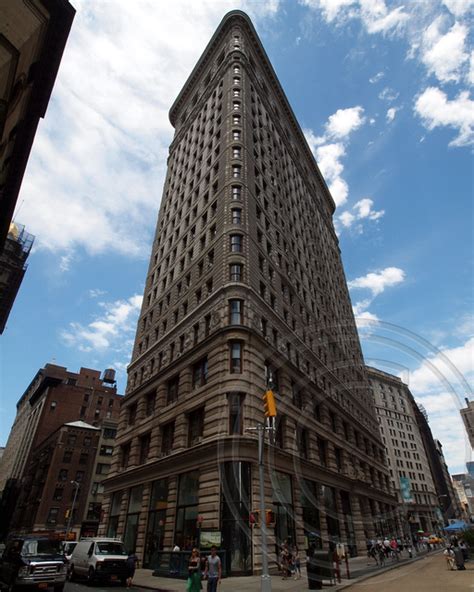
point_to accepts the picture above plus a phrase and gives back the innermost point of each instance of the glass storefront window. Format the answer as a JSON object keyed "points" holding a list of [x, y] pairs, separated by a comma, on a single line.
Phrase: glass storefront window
{"points": [[156, 521], [311, 516], [283, 508], [186, 533], [131, 524], [235, 509], [114, 514]]}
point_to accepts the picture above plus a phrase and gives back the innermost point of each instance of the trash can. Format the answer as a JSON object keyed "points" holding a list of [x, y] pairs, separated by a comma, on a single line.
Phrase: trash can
{"points": [[319, 567]]}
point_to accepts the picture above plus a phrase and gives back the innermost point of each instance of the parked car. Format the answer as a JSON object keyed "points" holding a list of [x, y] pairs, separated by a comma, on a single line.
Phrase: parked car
{"points": [[99, 559], [31, 563]]}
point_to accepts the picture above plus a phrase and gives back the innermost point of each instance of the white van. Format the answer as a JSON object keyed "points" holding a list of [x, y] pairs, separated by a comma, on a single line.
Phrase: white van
{"points": [[99, 559]]}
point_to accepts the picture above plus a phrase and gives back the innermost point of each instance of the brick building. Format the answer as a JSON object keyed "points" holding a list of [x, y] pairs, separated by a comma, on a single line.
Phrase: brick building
{"points": [[245, 284], [55, 397]]}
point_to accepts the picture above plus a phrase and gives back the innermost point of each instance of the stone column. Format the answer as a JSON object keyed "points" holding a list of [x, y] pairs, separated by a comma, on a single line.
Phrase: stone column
{"points": [[358, 522], [142, 521], [134, 452], [170, 520], [123, 513]]}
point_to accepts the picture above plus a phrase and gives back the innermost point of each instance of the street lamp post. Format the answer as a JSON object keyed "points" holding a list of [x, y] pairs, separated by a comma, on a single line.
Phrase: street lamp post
{"points": [[76, 485]]}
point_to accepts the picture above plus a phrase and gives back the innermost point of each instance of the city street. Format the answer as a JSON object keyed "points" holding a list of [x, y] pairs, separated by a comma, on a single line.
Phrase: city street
{"points": [[428, 575], [83, 587]]}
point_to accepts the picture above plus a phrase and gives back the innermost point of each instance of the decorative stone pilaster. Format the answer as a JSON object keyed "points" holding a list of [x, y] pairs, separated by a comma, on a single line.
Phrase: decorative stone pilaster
{"points": [[142, 521], [358, 523]]}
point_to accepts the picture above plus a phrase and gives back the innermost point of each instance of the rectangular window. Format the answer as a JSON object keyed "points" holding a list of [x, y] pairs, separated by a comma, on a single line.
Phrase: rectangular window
{"points": [[236, 192], [150, 404], [62, 476], [83, 458], [125, 454], [323, 451], [271, 376], [235, 312], [236, 216], [235, 348], [144, 448], [52, 516], [303, 443], [167, 437], [235, 272], [236, 119], [108, 434], [71, 440], [235, 401], [103, 468], [236, 152], [236, 171], [200, 372], [195, 426], [132, 413], [79, 476], [236, 243], [67, 456], [172, 389], [106, 450], [236, 135], [58, 494]]}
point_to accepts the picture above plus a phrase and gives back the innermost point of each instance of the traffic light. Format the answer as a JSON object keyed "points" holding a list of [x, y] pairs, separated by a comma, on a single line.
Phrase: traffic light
{"points": [[269, 404], [269, 517], [254, 518]]}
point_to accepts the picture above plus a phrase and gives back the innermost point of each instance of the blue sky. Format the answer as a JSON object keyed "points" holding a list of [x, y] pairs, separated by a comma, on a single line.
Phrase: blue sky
{"points": [[382, 91]]}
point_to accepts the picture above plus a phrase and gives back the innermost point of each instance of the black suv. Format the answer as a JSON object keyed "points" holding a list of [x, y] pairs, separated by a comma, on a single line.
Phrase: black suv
{"points": [[32, 563]]}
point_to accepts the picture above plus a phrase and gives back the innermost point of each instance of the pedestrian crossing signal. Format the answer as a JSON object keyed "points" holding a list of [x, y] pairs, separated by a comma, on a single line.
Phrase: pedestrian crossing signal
{"points": [[269, 404]]}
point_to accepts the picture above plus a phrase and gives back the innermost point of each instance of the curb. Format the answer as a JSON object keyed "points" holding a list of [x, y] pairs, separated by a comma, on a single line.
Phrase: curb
{"points": [[364, 577]]}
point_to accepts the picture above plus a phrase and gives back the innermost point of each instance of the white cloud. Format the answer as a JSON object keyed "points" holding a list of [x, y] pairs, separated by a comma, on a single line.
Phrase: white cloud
{"points": [[436, 110], [443, 54], [377, 18], [373, 14], [328, 157], [96, 293], [459, 7], [378, 281], [330, 8], [388, 94], [110, 329], [362, 210], [390, 115], [97, 166], [344, 121], [470, 74], [449, 364], [330, 148], [377, 77], [440, 384]]}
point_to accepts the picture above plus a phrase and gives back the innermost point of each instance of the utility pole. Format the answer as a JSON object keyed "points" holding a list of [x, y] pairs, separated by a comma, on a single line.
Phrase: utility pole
{"points": [[76, 485], [261, 429]]}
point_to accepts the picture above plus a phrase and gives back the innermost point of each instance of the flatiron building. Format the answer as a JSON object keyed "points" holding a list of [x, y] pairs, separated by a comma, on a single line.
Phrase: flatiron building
{"points": [[245, 287]]}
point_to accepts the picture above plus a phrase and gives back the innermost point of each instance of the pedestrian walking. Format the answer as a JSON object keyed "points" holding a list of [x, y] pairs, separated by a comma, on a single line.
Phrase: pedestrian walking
{"points": [[284, 562], [458, 556], [194, 572], [131, 565], [213, 571], [464, 550], [449, 556], [297, 564]]}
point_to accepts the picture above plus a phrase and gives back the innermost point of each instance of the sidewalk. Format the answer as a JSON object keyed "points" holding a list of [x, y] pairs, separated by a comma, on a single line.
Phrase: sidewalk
{"points": [[429, 575], [358, 569]]}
